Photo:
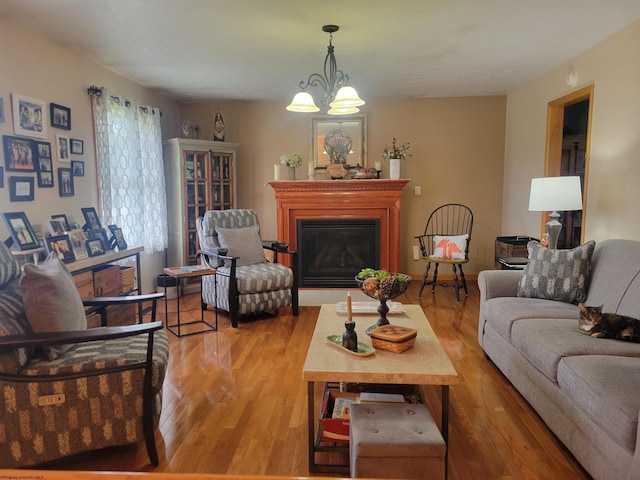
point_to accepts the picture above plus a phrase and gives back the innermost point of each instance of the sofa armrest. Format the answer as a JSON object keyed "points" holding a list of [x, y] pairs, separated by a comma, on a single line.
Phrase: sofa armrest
{"points": [[498, 283]]}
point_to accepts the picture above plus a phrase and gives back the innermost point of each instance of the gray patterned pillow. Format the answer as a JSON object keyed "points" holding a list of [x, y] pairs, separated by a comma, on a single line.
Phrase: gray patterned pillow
{"points": [[561, 275]]}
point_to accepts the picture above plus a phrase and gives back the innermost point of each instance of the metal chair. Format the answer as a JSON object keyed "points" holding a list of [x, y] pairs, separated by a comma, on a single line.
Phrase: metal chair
{"points": [[446, 240]]}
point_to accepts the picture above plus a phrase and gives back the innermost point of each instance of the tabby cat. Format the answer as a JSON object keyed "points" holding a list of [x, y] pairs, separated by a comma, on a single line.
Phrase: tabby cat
{"points": [[607, 325]]}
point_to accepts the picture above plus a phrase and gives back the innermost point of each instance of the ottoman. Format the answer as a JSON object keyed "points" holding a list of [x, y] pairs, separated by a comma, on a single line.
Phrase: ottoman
{"points": [[395, 440]]}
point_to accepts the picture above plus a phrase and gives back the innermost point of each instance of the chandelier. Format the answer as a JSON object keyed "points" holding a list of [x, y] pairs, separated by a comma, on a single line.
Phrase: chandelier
{"points": [[338, 95]]}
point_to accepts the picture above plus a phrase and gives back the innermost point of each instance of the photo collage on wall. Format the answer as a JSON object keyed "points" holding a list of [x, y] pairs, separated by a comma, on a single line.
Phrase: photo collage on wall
{"points": [[31, 159]]}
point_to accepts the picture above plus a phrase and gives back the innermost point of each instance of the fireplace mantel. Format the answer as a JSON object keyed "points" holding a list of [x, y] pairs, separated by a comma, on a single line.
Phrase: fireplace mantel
{"points": [[342, 199]]}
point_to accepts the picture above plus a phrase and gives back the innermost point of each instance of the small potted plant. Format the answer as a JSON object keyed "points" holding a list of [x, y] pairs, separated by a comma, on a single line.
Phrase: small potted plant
{"points": [[394, 154]]}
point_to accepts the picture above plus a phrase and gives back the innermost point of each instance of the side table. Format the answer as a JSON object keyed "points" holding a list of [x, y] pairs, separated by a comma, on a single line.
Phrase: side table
{"points": [[179, 273]]}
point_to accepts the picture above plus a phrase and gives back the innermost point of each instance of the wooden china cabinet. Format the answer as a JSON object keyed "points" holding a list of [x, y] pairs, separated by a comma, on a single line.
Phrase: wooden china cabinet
{"points": [[200, 176]]}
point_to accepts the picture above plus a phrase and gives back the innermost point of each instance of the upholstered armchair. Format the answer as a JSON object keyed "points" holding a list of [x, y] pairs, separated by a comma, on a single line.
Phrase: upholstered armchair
{"points": [[245, 282], [66, 388]]}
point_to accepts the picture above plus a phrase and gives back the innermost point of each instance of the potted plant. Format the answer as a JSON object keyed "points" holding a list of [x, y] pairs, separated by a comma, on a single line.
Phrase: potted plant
{"points": [[394, 154]]}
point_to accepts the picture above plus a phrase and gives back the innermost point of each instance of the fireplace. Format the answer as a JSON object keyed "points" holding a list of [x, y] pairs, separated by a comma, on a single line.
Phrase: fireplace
{"points": [[332, 252], [348, 202]]}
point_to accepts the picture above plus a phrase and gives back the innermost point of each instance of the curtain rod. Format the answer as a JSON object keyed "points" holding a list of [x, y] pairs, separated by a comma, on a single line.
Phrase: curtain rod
{"points": [[97, 91]]}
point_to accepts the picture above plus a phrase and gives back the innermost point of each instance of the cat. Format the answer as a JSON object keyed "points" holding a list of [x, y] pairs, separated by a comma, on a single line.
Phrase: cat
{"points": [[607, 325]]}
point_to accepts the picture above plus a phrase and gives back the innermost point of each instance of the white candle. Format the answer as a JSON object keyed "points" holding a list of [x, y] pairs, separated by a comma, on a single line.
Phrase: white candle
{"points": [[311, 170], [378, 165], [276, 172], [349, 314]]}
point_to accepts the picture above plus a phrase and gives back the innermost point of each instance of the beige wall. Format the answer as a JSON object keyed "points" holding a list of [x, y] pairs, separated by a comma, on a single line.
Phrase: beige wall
{"points": [[38, 68], [457, 147], [613, 69]]}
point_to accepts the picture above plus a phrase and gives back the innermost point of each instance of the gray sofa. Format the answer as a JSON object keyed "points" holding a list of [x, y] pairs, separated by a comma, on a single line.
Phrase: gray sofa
{"points": [[585, 389]]}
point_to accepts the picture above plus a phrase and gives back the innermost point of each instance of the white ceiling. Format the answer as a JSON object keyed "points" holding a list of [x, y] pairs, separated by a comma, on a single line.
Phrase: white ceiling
{"points": [[201, 50]]}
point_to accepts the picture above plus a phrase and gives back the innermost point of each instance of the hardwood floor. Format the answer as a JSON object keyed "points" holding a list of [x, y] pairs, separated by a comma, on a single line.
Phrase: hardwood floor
{"points": [[234, 403]]}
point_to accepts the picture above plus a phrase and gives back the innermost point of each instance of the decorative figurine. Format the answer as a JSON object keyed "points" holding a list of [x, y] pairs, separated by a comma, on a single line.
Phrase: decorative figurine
{"points": [[218, 126]]}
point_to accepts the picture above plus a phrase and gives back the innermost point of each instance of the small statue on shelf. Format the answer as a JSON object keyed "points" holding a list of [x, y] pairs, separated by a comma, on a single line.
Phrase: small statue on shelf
{"points": [[218, 126]]}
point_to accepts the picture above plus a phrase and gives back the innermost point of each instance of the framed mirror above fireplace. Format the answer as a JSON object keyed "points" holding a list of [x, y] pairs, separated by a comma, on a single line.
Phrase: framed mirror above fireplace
{"points": [[339, 140]]}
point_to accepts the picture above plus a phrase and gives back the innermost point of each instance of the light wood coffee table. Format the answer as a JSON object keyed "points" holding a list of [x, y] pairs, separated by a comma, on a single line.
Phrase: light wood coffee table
{"points": [[424, 364]]}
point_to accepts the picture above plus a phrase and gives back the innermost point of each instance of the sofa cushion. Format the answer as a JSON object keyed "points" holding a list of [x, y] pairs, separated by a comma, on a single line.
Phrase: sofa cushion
{"points": [[9, 266], [51, 300], [262, 277], [561, 275], [605, 388], [545, 341], [503, 312], [244, 243]]}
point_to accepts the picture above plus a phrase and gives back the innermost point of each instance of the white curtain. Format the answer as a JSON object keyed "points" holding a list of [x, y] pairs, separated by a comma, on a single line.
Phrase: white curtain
{"points": [[130, 170]]}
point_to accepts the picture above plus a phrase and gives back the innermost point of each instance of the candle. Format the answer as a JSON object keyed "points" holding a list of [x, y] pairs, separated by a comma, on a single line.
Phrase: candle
{"points": [[276, 172], [378, 164], [311, 170], [349, 314]]}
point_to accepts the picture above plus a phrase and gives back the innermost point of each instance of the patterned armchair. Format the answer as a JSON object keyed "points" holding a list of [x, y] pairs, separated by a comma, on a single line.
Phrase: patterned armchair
{"points": [[101, 387], [245, 282]]}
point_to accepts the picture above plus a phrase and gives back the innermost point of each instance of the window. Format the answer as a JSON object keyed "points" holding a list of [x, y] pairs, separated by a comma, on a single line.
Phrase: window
{"points": [[130, 169]]}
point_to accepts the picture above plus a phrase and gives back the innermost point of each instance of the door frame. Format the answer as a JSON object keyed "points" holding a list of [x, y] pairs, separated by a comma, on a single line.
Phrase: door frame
{"points": [[553, 144]]}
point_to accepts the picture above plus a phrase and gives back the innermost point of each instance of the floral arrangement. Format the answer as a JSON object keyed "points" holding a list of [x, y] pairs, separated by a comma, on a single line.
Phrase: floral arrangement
{"points": [[396, 151], [292, 160]]}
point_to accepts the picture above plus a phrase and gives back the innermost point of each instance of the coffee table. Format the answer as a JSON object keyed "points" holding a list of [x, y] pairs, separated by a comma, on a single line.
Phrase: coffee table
{"points": [[424, 364]]}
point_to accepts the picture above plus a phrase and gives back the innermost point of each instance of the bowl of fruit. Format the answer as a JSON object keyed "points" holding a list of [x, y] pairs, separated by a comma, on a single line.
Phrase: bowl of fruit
{"points": [[382, 286]]}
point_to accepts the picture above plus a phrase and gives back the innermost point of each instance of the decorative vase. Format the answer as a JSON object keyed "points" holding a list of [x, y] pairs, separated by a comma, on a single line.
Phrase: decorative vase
{"points": [[374, 291], [394, 168], [350, 337], [292, 173]]}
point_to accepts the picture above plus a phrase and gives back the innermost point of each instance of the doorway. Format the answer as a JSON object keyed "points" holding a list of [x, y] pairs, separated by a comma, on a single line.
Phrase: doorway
{"points": [[567, 153]]}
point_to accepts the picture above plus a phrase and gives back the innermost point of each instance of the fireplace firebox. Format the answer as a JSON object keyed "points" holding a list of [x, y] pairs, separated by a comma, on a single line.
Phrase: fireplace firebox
{"points": [[332, 252]]}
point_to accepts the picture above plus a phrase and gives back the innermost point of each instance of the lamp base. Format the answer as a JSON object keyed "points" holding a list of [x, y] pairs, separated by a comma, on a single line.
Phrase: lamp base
{"points": [[553, 230]]}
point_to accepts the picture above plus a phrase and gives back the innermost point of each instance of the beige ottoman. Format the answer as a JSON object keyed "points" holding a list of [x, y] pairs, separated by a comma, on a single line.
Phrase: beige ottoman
{"points": [[395, 440]]}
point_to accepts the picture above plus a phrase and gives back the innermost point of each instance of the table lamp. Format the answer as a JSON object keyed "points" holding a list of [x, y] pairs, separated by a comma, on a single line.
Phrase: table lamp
{"points": [[553, 194]]}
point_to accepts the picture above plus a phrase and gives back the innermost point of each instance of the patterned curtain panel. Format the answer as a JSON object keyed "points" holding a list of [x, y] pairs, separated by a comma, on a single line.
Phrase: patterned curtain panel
{"points": [[130, 170]]}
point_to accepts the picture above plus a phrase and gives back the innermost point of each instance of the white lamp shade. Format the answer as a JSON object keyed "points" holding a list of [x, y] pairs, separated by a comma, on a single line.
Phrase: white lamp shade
{"points": [[302, 102], [342, 110], [555, 194], [347, 97]]}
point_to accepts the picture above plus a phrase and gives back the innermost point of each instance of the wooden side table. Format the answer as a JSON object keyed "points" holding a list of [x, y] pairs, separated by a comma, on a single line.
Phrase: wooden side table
{"points": [[179, 273]]}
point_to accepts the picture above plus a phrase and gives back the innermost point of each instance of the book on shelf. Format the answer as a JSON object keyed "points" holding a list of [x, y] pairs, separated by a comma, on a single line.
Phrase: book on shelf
{"points": [[342, 407]]}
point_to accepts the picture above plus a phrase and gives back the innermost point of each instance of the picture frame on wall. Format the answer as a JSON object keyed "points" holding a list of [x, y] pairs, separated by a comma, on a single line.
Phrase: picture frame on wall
{"points": [[91, 218], [1, 110], [29, 116], [77, 166], [21, 189], [1, 177], [43, 152], [62, 148], [77, 146], [45, 180], [21, 230], [78, 244], [339, 141], [61, 245], [60, 116], [65, 182], [19, 154]]}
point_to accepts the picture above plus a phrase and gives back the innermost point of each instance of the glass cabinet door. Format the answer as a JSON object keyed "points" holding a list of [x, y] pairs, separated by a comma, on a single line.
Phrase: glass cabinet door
{"points": [[195, 169], [221, 181]]}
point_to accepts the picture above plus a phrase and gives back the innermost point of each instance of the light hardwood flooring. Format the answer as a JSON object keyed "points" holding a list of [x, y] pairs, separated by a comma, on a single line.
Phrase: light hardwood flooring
{"points": [[234, 402]]}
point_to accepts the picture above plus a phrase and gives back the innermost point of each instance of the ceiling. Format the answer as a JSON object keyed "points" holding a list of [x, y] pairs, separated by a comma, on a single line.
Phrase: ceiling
{"points": [[203, 50]]}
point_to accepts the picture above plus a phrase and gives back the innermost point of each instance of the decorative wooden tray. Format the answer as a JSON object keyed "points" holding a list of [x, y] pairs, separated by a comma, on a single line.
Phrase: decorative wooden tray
{"points": [[364, 350]]}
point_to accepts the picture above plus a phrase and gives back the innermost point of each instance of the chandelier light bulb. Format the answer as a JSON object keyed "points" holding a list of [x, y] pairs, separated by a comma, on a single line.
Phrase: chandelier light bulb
{"points": [[302, 102], [347, 97]]}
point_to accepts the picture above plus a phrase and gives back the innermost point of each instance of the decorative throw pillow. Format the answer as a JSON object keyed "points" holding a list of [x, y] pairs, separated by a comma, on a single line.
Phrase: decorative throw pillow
{"points": [[51, 300], [450, 246], [561, 275], [242, 242]]}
